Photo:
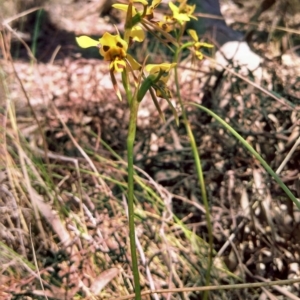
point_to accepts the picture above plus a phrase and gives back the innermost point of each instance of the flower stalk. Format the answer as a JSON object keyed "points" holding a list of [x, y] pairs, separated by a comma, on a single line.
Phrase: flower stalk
{"points": [[150, 78], [199, 171], [134, 106]]}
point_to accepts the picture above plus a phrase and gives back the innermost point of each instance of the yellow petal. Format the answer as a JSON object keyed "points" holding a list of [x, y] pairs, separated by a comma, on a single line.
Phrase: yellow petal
{"points": [[86, 42], [124, 7], [133, 63], [173, 7], [200, 44], [137, 33], [112, 46], [117, 66], [115, 84], [177, 15], [161, 70], [166, 26], [155, 3], [155, 68], [193, 35], [162, 90], [189, 9], [144, 2], [181, 18], [150, 9], [199, 55]]}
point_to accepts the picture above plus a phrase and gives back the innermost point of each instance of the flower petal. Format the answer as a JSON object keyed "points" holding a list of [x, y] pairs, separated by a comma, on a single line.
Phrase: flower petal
{"points": [[115, 84], [118, 65], [160, 70], [112, 47], [193, 35], [150, 8], [137, 33], [166, 25], [155, 3], [183, 13], [162, 90], [155, 68], [86, 42], [134, 65], [173, 7], [200, 44], [199, 55], [124, 7], [144, 2]]}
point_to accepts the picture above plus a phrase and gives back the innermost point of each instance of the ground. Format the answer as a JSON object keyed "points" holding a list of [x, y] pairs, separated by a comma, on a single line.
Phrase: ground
{"points": [[63, 169]]}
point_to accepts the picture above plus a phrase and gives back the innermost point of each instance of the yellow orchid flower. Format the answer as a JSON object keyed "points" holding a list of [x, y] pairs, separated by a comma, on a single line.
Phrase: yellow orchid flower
{"points": [[136, 33], [148, 12], [198, 44], [167, 24], [114, 49], [163, 69], [183, 13], [188, 9], [150, 9], [124, 7], [161, 74]]}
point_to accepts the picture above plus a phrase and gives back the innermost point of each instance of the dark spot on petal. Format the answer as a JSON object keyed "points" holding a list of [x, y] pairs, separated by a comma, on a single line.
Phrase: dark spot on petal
{"points": [[119, 45], [106, 48]]}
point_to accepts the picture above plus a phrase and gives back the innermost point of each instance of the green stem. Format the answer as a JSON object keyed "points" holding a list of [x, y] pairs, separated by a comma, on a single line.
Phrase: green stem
{"points": [[126, 86], [36, 31], [134, 105], [199, 172], [252, 151]]}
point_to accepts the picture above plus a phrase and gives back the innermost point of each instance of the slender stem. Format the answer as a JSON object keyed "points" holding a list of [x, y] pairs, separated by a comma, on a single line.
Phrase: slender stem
{"points": [[134, 105], [199, 173], [36, 31], [252, 151], [216, 288], [126, 86]]}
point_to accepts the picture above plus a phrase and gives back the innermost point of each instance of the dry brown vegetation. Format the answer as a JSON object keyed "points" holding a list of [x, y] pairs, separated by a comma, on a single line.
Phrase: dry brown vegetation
{"points": [[63, 223]]}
